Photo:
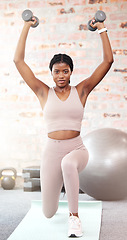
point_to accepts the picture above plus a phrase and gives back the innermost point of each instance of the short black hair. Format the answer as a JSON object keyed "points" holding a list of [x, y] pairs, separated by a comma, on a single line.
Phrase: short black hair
{"points": [[61, 58]]}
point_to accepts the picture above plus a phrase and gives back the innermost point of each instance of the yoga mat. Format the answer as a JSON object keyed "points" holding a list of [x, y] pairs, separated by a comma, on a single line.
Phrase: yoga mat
{"points": [[35, 226]]}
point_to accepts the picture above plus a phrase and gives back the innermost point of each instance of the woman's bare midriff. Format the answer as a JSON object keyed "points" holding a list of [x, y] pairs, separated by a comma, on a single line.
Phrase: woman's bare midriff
{"points": [[63, 134]]}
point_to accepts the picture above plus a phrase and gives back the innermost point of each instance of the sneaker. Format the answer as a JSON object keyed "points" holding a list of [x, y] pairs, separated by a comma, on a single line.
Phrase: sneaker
{"points": [[75, 228]]}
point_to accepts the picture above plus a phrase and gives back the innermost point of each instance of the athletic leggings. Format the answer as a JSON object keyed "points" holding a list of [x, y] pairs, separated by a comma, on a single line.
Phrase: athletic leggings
{"points": [[62, 160]]}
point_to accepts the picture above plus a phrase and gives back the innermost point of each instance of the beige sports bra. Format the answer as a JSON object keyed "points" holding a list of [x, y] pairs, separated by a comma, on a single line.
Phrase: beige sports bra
{"points": [[63, 115]]}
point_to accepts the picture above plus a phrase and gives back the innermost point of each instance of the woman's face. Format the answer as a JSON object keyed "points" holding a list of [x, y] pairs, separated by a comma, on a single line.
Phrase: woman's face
{"points": [[61, 73]]}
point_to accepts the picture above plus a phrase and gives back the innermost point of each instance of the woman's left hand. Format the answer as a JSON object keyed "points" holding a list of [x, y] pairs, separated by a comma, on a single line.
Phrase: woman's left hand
{"points": [[98, 25]]}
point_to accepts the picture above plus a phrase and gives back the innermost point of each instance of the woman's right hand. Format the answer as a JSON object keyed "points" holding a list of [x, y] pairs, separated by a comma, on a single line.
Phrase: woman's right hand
{"points": [[30, 23]]}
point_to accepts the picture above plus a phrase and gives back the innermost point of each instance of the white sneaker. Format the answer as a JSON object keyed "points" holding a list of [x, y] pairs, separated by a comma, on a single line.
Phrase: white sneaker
{"points": [[75, 228]]}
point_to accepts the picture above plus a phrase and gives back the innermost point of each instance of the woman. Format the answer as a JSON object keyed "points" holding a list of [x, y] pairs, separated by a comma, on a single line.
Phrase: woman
{"points": [[64, 155]]}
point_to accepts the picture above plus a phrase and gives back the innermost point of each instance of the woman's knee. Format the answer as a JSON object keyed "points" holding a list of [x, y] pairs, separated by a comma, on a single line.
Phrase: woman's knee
{"points": [[49, 213]]}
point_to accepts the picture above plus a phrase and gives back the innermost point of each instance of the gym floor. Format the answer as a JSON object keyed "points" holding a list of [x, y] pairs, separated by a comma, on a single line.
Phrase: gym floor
{"points": [[14, 204]]}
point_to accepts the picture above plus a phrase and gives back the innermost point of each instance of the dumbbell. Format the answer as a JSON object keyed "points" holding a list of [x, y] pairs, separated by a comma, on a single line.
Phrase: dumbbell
{"points": [[27, 16], [100, 16]]}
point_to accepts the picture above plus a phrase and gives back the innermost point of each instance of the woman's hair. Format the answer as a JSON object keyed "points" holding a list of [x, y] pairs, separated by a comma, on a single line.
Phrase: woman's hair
{"points": [[61, 58]]}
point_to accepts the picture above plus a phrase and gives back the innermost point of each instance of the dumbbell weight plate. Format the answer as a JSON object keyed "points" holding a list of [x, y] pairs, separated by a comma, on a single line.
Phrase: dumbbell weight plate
{"points": [[90, 27], [27, 15], [36, 24], [100, 16]]}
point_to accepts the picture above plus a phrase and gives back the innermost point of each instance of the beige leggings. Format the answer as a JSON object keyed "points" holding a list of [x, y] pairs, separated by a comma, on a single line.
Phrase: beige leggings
{"points": [[62, 160]]}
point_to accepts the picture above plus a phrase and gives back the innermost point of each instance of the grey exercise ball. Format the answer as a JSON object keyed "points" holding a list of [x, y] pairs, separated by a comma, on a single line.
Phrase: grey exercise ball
{"points": [[105, 176]]}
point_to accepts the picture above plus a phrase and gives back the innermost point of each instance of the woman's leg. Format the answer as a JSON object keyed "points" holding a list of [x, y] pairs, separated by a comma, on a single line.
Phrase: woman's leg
{"points": [[51, 182], [71, 165]]}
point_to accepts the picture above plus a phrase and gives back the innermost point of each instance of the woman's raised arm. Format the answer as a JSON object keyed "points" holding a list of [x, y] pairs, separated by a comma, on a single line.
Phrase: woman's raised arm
{"points": [[39, 88], [86, 86]]}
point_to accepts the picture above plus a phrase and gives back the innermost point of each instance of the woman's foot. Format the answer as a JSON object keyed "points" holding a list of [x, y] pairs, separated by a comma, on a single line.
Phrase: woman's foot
{"points": [[75, 228]]}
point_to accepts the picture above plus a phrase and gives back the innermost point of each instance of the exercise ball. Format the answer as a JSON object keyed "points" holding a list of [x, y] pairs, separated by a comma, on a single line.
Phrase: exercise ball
{"points": [[105, 176]]}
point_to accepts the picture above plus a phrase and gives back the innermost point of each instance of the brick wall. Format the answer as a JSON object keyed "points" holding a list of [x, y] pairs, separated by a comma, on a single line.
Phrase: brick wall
{"points": [[62, 29]]}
